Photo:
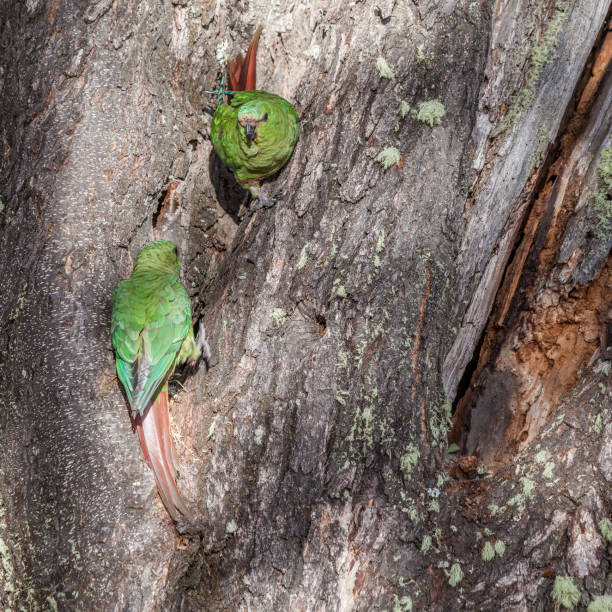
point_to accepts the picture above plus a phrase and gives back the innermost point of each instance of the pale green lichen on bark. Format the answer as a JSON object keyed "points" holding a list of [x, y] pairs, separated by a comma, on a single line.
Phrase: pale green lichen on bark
{"points": [[341, 395], [431, 112], [455, 575], [605, 526], [541, 457], [279, 316], [384, 70], [488, 552], [565, 593], [388, 157], [547, 472], [403, 604], [500, 548], [7, 567], [362, 430], [601, 203], [602, 209], [426, 544], [601, 603], [540, 56], [380, 243], [409, 460], [605, 166], [303, 259]]}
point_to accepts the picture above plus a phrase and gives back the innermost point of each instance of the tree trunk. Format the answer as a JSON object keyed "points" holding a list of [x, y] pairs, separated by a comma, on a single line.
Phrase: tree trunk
{"points": [[437, 270]]}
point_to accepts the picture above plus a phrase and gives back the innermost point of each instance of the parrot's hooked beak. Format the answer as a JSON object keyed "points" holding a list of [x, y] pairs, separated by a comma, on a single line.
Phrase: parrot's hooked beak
{"points": [[250, 131]]}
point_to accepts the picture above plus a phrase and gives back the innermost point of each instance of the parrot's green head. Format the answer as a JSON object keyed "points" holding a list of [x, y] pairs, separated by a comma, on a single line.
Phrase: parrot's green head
{"points": [[162, 254], [250, 116]]}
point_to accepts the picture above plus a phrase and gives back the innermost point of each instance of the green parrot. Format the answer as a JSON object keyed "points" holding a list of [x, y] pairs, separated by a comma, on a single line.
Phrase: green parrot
{"points": [[152, 334], [255, 133]]}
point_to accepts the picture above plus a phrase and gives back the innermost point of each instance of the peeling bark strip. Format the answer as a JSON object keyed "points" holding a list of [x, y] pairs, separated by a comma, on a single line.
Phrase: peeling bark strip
{"points": [[508, 157], [545, 326], [341, 321]]}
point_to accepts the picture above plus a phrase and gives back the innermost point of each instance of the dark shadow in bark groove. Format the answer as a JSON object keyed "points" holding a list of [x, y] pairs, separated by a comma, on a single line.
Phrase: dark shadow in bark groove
{"points": [[229, 194]]}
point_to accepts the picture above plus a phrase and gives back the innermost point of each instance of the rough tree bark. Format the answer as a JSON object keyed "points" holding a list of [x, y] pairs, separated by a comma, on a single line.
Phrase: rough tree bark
{"points": [[347, 324]]}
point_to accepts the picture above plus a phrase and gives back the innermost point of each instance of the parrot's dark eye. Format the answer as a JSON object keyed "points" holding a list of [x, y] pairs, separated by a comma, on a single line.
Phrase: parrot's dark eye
{"points": [[265, 117]]}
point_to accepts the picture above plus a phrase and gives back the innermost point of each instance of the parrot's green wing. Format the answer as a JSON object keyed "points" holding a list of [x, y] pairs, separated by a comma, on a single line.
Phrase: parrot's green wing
{"points": [[151, 333], [276, 126], [151, 319]]}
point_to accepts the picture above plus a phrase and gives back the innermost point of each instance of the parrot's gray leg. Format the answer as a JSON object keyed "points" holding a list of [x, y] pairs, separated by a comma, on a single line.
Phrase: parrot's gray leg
{"points": [[262, 200]]}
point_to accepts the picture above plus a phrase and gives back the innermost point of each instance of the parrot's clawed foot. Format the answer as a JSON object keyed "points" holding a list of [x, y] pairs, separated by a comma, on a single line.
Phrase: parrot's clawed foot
{"points": [[202, 344], [265, 201]]}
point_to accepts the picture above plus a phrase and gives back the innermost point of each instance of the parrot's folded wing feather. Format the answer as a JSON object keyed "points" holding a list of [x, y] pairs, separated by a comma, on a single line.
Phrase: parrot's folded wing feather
{"points": [[150, 377], [127, 375]]}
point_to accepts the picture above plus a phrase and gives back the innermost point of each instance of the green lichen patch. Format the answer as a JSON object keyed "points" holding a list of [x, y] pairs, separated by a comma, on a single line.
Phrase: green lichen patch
{"points": [[404, 108], [602, 211], [426, 544], [342, 359], [341, 291], [431, 112], [384, 70], [388, 157], [541, 457], [488, 552], [605, 167], [605, 526], [601, 603], [500, 548], [314, 52], [528, 489], [7, 571], [565, 593], [303, 259], [340, 396], [541, 55], [402, 604], [596, 423], [409, 460], [279, 316], [361, 435], [455, 575], [547, 472]]}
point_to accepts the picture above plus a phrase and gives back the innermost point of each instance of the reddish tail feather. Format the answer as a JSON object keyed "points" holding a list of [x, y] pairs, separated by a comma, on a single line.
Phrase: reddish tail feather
{"points": [[242, 71], [158, 450]]}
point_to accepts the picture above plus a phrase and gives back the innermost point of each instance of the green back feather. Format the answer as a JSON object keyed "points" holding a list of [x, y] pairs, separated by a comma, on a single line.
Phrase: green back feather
{"points": [[151, 321], [252, 161]]}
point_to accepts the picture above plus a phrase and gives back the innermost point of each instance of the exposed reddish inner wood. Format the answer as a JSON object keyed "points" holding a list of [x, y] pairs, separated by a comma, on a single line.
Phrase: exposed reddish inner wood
{"points": [[538, 334]]}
